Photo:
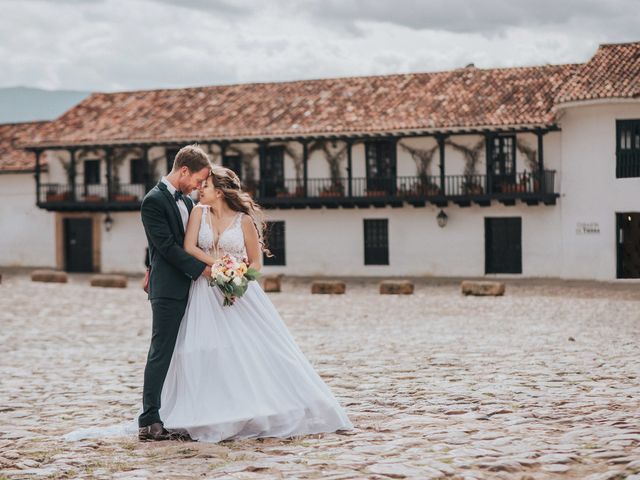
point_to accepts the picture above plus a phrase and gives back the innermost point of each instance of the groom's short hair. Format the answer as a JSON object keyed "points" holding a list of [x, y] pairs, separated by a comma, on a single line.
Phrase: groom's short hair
{"points": [[192, 157]]}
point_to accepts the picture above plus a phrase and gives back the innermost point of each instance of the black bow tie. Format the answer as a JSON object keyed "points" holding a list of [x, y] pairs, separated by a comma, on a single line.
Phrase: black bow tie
{"points": [[177, 195]]}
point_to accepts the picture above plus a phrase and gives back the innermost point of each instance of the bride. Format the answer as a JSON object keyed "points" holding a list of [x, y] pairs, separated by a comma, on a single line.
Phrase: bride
{"points": [[236, 371]]}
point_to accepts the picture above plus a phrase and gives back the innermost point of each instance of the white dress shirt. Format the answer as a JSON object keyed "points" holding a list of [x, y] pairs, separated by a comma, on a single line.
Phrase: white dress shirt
{"points": [[184, 212]]}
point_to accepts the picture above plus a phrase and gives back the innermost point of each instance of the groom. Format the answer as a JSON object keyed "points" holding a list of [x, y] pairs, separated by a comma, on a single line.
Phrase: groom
{"points": [[165, 211]]}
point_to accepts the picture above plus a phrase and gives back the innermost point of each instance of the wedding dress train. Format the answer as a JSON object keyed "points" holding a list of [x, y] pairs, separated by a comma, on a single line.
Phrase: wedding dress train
{"points": [[236, 372]]}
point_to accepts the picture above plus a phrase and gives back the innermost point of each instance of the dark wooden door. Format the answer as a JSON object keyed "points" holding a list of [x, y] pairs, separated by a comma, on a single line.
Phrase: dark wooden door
{"points": [[628, 241], [503, 245], [381, 166], [78, 239], [502, 165], [272, 171], [275, 244]]}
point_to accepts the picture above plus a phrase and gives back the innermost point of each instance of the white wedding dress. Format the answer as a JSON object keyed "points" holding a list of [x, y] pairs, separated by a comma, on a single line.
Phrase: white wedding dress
{"points": [[236, 372]]}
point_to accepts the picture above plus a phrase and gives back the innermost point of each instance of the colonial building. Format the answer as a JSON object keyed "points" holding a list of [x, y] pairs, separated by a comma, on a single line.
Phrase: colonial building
{"points": [[531, 171]]}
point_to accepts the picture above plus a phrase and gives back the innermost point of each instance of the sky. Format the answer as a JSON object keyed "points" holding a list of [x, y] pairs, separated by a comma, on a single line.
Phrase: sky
{"points": [[109, 45]]}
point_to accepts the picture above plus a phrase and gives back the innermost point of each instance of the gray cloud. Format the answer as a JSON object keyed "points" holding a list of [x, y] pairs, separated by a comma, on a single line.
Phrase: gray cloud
{"points": [[134, 44], [486, 16]]}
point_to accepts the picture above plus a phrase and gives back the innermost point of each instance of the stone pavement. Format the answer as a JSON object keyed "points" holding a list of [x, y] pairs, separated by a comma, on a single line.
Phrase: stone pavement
{"points": [[541, 383]]}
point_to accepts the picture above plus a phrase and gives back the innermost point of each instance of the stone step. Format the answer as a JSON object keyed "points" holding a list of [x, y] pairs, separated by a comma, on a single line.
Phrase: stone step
{"points": [[482, 288], [396, 287], [328, 286], [109, 281], [271, 283], [49, 276]]}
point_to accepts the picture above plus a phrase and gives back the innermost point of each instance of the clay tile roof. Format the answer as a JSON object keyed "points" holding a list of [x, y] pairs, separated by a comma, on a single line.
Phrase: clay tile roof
{"points": [[12, 136], [613, 72], [466, 97]]}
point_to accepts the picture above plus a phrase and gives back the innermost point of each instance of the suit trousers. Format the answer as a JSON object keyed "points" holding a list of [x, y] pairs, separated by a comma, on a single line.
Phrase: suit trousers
{"points": [[167, 315]]}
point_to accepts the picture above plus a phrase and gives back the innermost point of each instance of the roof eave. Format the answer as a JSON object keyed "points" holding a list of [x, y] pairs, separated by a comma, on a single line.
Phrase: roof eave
{"points": [[459, 130]]}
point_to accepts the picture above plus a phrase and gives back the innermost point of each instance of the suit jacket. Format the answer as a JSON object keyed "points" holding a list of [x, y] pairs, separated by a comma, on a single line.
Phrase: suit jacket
{"points": [[172, 268]]}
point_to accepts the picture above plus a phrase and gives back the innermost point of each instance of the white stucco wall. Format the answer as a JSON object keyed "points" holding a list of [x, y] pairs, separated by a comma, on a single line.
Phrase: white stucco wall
{"points": [[123, 248], [27, 232], [331, 242], [590, 190]]}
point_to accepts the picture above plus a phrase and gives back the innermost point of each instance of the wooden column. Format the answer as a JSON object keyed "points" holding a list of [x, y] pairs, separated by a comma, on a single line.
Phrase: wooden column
{"points": [[488, 149], [305, 167], [540, 135], [394, 168], [223, 150], [262, 152], [349, 167], [148, 178], [441, 139], [37, 175], [72, 174], [108, 152]]}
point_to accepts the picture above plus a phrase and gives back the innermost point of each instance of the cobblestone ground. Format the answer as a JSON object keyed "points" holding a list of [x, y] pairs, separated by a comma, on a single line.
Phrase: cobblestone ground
{"points": [[541, 383]]}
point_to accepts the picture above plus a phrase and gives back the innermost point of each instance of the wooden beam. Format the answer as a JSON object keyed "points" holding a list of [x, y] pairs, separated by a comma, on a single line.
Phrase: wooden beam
{"points": [[488, 152], [262, 152], [540, 135], [72, 174], [108, 152], [305, 167], [441, 146], [37, 175], [350, 168], [148, 177]]}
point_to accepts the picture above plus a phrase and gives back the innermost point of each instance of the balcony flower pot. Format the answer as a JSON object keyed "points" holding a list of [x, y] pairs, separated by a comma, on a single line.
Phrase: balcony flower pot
{"points": [[330, 193], [472, 189], [377, 193], [93, 198], [124, 197], [431, 190], [58, 197]]}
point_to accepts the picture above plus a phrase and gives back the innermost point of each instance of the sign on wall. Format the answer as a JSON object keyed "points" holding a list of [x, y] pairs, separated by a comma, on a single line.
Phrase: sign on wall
{"points": [[587, 228]]}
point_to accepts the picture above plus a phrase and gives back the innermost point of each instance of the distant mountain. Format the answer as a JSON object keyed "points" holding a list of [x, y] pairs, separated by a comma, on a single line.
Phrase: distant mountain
{"points": [[23, 104]]}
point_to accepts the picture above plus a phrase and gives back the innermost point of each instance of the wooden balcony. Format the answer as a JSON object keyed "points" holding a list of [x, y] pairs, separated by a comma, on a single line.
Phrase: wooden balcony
{"points": [[531, 188], [94, 197]]}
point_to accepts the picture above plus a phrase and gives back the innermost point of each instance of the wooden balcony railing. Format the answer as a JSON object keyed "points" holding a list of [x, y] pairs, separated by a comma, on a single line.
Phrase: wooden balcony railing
{"points": [[463, 189]]}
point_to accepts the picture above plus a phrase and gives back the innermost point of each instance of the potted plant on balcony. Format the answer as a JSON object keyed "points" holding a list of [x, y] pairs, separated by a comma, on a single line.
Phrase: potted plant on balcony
{"points": [[282, 192], [57, 196], [93, 198], [333, 190], [376, 193], [471, 187]]}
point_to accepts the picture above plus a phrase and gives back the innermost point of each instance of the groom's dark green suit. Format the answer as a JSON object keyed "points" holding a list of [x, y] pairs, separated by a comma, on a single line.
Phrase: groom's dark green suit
{"points": [[172, 270]]}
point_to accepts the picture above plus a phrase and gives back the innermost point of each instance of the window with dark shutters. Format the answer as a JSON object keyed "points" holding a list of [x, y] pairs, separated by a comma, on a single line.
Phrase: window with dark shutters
{"points": [[628, 148], [376, 242]]}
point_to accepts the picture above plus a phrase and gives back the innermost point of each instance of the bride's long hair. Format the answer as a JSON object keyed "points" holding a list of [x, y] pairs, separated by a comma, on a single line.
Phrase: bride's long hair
{"points": [[228, 182]]}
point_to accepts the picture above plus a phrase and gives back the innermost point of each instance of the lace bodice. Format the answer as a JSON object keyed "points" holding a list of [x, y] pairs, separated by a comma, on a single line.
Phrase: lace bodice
{"points": [[230, 241]]}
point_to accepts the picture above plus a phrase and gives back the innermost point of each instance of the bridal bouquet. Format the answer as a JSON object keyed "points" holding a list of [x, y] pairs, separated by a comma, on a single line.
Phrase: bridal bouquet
{"points": [[232, 277]]}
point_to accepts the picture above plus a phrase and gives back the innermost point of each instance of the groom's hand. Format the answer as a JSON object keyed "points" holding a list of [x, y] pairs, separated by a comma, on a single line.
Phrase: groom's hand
{"points": [[207, 272]]}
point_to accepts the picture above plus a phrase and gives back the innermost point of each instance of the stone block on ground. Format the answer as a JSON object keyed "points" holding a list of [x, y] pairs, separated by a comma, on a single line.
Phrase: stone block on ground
{"points": [[109, 281], [328, 286], [396, 287], [50, 276], [482, 288], [271, 283]]}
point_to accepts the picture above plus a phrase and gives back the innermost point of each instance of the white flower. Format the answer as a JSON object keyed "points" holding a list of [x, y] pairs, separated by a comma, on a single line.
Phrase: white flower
{"points": [[237, 281]]}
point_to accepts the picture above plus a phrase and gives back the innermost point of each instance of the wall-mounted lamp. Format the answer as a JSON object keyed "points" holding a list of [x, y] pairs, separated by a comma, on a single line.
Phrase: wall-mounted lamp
{"points": [[442, 219], [108, 222]]}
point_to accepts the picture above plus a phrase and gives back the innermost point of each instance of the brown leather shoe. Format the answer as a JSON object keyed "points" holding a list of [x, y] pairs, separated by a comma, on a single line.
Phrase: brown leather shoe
{"points": [[154, 432]]}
